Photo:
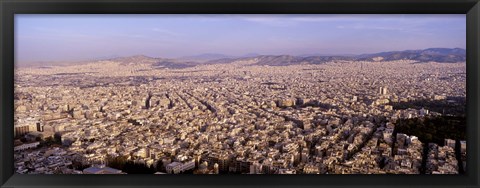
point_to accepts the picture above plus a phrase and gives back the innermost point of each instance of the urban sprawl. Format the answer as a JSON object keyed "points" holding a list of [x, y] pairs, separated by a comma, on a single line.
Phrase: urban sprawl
{"points": [[237, 118]]}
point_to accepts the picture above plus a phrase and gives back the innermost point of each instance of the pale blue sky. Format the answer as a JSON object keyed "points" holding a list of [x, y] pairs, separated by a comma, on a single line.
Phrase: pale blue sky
{"points": [[81, 37]]}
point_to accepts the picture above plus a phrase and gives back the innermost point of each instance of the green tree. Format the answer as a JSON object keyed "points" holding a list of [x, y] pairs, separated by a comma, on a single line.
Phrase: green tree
{"points": [[160, 167]]}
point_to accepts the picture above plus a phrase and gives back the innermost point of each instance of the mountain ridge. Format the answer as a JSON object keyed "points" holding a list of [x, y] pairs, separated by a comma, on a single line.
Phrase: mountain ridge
{"points": [[440, 55]]}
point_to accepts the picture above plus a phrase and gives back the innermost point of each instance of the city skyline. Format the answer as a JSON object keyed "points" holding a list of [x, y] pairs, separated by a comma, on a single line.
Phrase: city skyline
{"points": [[86, 37], [291, 107], [136, 115]]}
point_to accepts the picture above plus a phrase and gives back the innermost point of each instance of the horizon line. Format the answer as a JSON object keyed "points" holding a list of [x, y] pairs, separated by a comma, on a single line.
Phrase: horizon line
{"points": [[213, 53]]}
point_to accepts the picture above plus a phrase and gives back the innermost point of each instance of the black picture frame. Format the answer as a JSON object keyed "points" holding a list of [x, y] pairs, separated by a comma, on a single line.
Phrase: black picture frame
{"points": [[8, 8]]}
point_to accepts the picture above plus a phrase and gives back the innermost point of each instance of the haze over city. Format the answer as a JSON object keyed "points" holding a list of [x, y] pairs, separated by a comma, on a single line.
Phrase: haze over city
{"points": [[44, 38], [240, 94]]}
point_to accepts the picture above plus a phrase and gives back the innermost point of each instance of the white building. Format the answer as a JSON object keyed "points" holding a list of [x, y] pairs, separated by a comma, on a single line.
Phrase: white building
{"points": [[178, 167], [26, 146], [101, 170]]}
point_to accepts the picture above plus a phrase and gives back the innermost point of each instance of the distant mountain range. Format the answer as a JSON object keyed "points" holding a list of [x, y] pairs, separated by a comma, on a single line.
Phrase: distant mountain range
{"points": [[441, 55], [212, 56], [205, 57], [155, 62]]}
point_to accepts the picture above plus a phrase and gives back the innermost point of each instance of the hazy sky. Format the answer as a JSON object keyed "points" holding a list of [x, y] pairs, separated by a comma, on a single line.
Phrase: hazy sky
{"points": [[81, 37]]}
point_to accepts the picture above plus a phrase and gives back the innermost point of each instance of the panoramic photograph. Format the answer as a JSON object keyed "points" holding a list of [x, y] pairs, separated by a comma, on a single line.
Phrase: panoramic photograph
{"points": [[240, 94]]}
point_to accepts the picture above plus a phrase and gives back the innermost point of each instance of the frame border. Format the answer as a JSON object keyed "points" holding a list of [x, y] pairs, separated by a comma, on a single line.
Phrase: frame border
{"points": [[8, 8]]}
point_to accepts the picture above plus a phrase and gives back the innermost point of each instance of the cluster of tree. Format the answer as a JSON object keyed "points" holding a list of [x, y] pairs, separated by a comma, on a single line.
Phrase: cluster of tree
{"points": [[50, 141], [433, 129], [78, 165], [132, 167], [440, 106]]}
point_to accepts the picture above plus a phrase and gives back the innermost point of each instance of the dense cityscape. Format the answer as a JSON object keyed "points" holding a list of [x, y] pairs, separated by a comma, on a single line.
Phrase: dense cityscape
{"points": [[337, 117]]}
